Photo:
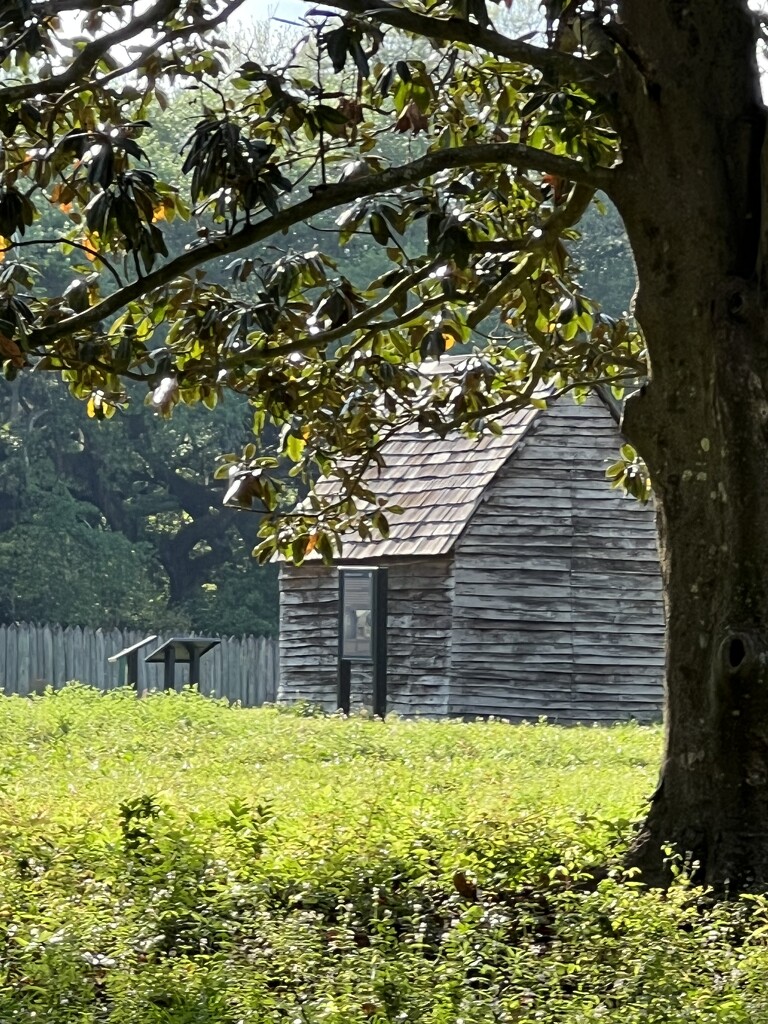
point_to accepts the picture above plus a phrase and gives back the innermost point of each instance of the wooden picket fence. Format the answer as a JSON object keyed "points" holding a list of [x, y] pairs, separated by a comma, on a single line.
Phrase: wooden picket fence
{"points": [[34, 656]]}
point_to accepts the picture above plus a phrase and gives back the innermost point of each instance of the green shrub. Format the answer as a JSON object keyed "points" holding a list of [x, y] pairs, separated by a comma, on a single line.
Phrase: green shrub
{"points": [[177, 860]]}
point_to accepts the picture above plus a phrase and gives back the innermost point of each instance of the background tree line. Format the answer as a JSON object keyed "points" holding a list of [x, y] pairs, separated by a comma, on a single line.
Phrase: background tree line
{"points": [[100, 525]]}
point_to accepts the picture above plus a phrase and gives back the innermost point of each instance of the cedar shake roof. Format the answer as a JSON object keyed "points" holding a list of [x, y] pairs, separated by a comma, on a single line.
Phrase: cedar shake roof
{"points": [[438, 482]]}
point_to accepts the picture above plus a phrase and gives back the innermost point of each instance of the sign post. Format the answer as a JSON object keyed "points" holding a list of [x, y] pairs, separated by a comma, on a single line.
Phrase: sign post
{"points": [[182, 650], [128, 662], [363, 633]]}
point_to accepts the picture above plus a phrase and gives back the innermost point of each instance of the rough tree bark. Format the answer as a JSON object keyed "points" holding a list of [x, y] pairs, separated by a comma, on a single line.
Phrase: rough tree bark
{"points": [[691, 192]]}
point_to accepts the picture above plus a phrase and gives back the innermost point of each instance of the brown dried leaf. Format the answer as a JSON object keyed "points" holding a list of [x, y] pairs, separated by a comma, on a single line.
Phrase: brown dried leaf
{"points": [[10, 350], [412, 120]]}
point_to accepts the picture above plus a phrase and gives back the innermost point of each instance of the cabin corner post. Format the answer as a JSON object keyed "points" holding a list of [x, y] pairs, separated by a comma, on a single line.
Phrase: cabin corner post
{"points": [[194, 665]]}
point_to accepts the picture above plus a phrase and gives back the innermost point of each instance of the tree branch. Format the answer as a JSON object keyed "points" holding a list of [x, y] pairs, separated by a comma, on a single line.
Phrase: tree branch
{"points": [[170, 35], [88, 249], [571, 211], [53, 8], [366, 316], [328, 198], [554, 64], [372, 328], [544, 238], [91, 53]]}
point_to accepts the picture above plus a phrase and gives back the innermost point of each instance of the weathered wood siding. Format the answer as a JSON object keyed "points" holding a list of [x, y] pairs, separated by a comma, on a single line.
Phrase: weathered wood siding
{"points": [[550, 606], [557, 607], [309, 634], [617, 603], [419, 636]]}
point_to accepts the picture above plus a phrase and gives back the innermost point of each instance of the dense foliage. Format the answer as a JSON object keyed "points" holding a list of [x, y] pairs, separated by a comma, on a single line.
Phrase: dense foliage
{"points": [[130, 511], [128, 503], [288, 152], [177, 860]]}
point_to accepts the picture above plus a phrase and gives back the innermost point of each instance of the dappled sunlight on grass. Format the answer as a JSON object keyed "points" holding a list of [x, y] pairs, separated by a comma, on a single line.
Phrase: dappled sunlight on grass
{"points": [[174, 859]]}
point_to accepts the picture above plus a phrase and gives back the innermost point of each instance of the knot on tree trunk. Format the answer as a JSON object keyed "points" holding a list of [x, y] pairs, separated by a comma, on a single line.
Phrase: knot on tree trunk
{"points": [[738, 654], [738, 301]]}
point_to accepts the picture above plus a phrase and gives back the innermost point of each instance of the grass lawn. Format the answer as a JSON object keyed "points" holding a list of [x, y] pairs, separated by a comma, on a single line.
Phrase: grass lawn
{"points": [[177, 861]]}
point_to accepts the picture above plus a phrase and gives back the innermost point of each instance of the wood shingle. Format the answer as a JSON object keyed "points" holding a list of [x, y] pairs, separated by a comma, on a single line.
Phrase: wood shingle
{"points": [[438, 482]]}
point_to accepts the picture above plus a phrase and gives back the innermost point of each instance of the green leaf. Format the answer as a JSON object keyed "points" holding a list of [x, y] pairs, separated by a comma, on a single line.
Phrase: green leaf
{"points": [[294, 447], [379, 229], [337, 43]]}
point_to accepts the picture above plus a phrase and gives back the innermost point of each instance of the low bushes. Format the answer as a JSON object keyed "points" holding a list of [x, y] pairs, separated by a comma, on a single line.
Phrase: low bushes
{"points": [[175, 860]]}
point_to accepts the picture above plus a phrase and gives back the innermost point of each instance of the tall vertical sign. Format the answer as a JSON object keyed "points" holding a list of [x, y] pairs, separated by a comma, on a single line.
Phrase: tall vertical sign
{"points": [[363, 632]]}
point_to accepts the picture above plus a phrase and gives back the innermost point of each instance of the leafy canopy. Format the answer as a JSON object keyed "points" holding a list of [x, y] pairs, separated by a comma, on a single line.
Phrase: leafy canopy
{"points": [[130, 514], [415, 131]]}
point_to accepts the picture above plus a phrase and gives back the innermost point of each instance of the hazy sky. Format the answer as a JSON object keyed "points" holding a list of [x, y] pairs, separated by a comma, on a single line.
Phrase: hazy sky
{"points": [[283, 8]]}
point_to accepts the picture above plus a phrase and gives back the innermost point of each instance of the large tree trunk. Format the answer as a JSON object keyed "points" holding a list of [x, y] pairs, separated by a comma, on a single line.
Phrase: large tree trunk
{"points": [[691, 197], [709, 456]]}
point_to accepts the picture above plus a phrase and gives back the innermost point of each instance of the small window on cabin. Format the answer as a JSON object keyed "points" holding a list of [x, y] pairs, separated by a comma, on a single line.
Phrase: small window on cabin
{"points": [[356, 593]]}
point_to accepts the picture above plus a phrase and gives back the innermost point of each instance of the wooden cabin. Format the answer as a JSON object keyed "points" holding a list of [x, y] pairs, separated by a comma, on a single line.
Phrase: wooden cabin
{"points": [[518, 583]]}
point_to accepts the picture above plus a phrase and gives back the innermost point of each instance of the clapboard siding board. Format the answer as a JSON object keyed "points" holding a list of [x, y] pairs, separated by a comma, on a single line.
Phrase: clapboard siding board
{"points": [[309, 612], [616, 585], [544, 600], [419, 636]]}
